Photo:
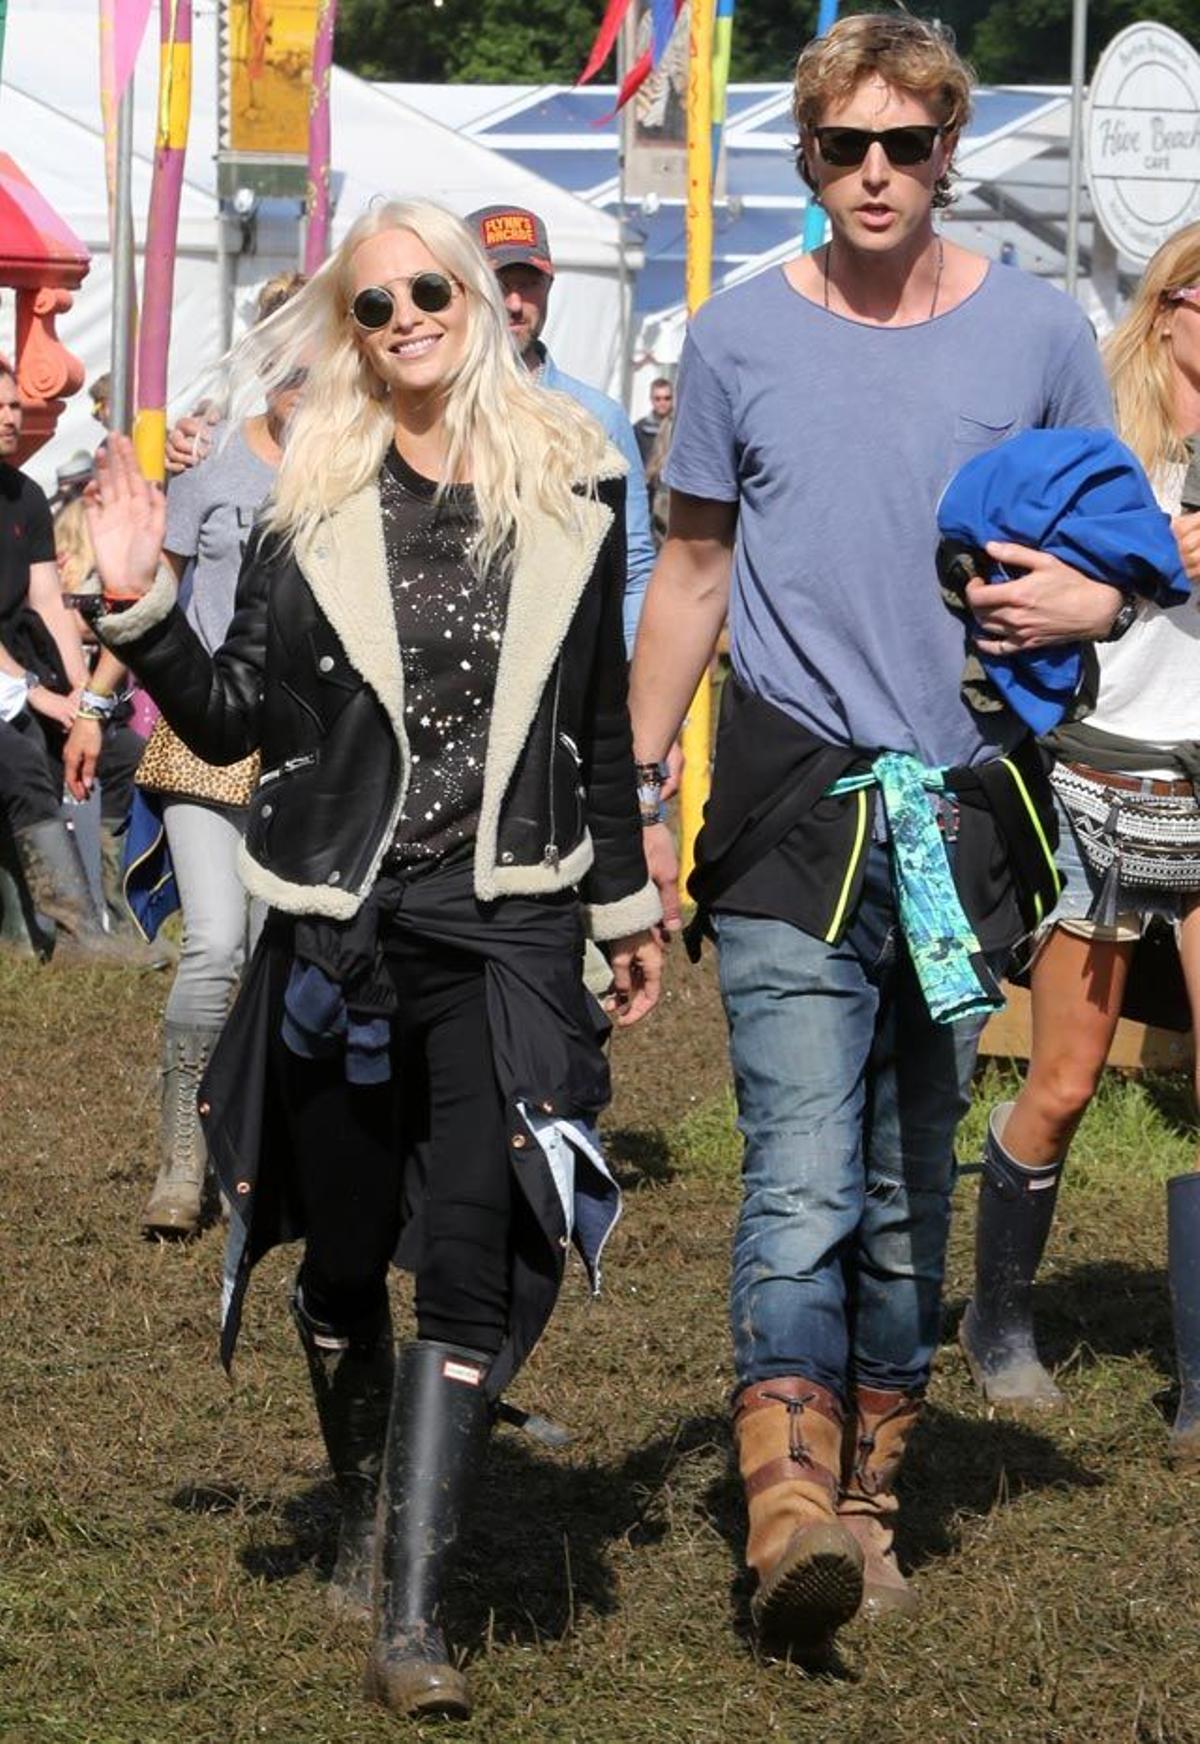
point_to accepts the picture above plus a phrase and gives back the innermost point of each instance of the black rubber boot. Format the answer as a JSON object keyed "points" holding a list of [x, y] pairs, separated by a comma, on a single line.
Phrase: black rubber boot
{"points": [[436, 1439], [352, 1386], [58, 885], [1016, 1209], [1183, 1271]]}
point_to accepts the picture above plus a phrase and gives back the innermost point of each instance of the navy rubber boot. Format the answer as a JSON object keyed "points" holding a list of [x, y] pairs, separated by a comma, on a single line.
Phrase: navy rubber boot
{"points": [[1016, 1209], [1183, 1271]]}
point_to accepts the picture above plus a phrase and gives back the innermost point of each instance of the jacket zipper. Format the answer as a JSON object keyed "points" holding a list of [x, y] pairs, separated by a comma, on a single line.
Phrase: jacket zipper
{"points": [[290, 767], [551, 856]]}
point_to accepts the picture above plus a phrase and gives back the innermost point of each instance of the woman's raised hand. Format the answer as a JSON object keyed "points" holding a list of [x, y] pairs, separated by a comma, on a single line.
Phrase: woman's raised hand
{"points": [[126, 518]]}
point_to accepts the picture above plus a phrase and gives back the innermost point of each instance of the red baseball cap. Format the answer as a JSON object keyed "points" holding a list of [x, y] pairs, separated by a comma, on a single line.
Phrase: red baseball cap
{"points": [[512, 236]]}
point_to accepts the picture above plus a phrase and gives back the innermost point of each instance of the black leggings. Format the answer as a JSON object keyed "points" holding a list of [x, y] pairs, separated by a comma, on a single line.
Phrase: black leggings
{"points": [[348, 1146]]}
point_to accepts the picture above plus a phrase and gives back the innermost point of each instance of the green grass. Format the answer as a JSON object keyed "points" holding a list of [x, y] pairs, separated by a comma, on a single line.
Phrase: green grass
{"points": [[165, 1535]]}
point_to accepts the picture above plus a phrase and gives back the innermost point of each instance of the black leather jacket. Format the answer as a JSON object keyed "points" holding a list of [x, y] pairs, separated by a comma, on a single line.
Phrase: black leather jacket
{"points": [[310, 673]]}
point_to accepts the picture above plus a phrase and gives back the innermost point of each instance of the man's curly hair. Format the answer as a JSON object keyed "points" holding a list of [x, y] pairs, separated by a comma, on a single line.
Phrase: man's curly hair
{"points": [[907, 53]]}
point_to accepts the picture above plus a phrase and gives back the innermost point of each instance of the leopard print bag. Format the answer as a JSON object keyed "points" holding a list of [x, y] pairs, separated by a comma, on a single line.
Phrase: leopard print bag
{"points": [[167, 767]]}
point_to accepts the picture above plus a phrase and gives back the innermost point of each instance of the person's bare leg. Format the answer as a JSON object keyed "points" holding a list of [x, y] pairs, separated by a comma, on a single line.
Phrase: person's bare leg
{"points": [[1076, 993], [1077, 989]]}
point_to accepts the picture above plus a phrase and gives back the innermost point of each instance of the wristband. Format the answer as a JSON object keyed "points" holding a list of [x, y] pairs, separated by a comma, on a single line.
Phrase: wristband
{"points": [[32, 679], [650, 806], [650, 774], [95, 706]]}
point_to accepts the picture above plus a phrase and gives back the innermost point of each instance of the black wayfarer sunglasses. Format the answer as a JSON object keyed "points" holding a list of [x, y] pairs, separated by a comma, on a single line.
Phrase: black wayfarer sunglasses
{"points": [[430, 292], [845, 147]]}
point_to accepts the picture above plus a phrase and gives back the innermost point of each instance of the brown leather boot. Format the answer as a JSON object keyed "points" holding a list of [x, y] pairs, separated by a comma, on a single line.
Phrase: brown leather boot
{"points": [[809, 1566], [875, 1442]]}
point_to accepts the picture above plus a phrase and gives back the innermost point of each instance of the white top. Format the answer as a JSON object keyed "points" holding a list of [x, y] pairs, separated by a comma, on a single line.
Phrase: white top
{"points": [[1150, 679]]}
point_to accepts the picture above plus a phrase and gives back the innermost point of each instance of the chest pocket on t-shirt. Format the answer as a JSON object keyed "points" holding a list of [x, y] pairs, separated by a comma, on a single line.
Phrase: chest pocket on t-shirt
{"points": [[975, 432]]}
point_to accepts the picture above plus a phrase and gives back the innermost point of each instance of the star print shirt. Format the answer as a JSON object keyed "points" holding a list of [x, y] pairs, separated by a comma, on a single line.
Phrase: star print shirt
{"points": [[449, 623]]}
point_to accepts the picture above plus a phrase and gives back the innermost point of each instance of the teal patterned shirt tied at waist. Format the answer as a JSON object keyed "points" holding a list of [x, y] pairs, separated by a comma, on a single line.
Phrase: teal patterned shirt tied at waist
{"points": [[946, 954]]}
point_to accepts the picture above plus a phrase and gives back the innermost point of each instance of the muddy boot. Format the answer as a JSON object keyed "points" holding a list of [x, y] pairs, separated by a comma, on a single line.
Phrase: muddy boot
{"points": [[352, 1385], [788, 1433], [876, 1439], [176, 1202], [437, 1434], [1016, 1209], [59, 888], [1183, 1271]]}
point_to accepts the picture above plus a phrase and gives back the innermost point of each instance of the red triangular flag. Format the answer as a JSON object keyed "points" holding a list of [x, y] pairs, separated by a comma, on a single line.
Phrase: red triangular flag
{"points": [[606, 36]]}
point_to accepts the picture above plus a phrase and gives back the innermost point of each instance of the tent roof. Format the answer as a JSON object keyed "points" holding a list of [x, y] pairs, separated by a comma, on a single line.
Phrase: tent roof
{"points": [[1011, 190]]}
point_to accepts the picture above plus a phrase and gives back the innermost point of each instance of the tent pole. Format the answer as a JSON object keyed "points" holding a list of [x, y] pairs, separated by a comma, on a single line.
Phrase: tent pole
{"points": [[1079, 11], [225, 270], [123, 271], [625, 59]]}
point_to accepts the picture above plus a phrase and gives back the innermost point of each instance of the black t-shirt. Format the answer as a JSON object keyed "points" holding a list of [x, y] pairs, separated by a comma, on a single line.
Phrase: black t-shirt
{"points": [[26, 538], [449, 622]]}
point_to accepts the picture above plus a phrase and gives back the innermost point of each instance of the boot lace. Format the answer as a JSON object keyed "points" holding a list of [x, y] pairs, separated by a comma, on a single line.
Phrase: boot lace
{"points": [[798, 1449]]}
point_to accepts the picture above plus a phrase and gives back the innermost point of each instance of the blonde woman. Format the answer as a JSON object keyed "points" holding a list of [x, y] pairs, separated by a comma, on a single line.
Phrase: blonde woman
{"points": [[1130, 846], [428, 651]]}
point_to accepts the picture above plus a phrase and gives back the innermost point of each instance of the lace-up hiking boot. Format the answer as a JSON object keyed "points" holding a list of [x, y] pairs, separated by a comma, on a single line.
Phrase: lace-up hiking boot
{"points": [[876, 1439], [996, 1334], [788, 1432], [176, 1202]]}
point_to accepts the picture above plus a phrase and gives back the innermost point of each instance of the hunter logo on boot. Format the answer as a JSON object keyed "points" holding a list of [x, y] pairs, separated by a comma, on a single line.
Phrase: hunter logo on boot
{"points": [[457, 1371]]}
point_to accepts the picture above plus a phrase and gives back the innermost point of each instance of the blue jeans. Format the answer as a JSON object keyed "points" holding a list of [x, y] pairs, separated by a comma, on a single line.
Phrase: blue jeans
{"points": [[849, 1097]]}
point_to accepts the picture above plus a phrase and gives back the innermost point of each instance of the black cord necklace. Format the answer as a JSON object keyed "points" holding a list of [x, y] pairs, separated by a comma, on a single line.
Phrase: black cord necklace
{"points": [[937, 279]]}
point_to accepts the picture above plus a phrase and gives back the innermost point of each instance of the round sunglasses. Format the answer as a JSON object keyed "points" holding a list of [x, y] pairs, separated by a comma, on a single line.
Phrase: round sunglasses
{"points": [[846, 147], [374, 306]]}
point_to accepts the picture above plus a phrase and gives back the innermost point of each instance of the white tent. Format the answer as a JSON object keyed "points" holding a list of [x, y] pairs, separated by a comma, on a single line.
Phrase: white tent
{"points": [[50, 123]]}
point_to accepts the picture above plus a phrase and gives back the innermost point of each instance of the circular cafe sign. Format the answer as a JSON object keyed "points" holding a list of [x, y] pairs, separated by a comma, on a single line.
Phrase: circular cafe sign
{"points": [[1142, 138]]}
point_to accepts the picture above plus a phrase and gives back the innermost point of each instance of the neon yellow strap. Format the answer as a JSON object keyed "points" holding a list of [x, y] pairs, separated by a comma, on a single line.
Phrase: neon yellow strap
{"points": [[860, 835]]}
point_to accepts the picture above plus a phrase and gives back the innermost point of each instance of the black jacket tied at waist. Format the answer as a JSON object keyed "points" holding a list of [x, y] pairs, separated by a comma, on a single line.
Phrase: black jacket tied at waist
{"points": [[776, 843], [546, 1035]]}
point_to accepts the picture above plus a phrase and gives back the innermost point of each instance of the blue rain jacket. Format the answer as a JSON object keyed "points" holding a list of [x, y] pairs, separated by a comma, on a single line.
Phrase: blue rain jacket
{"points": [[1082, 496]]}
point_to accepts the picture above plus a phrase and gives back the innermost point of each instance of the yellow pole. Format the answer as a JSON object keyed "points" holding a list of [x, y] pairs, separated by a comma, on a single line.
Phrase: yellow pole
{"points": [[697, 731]]}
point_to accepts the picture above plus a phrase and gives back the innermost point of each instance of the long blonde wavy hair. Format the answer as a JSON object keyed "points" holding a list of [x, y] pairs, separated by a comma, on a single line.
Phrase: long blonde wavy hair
{"points": [[522, 447], [1138, 359]]}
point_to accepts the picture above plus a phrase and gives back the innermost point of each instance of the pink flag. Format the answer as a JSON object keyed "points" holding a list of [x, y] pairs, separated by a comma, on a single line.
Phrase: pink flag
{"points": [[129, 23]]}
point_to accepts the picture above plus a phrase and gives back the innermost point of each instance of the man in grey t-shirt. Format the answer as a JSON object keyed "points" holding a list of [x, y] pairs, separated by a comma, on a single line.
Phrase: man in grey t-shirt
{"points": [[822, 408]]}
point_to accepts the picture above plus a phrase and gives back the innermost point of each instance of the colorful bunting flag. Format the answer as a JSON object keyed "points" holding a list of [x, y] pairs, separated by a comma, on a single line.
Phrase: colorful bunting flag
{"points": [[663, 15]]}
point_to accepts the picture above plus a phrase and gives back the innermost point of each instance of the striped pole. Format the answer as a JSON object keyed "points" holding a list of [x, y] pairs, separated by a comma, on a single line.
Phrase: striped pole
{"points": [[697, 731], [170, 148], [116, 109], [317, 195], [722, 49]]}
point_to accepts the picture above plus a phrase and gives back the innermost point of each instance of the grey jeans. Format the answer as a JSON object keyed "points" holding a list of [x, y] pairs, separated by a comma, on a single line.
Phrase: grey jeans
{"points": [[219, 923]]}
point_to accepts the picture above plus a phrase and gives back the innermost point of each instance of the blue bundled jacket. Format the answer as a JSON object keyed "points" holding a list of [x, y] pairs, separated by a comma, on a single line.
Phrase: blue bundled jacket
{"points": [[1082, 496]]}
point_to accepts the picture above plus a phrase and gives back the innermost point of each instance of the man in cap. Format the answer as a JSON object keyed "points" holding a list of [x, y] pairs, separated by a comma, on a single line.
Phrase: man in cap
{"points": [[516, 243]]}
